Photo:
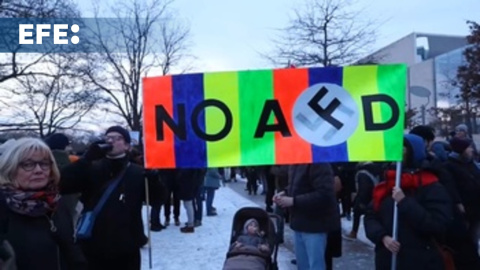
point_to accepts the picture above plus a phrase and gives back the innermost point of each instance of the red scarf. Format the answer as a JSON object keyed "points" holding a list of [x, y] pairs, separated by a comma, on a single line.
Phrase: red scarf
{"points": [[409, 181], [31, 203]]}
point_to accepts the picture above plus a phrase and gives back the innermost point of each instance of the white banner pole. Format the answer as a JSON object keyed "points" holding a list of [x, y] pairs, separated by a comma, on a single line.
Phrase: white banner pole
{"points": [[147, 199], [398, 174]]}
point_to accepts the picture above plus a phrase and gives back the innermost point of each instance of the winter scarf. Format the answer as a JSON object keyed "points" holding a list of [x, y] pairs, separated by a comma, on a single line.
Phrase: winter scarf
{"points": [[31, 203], [409, 181]]}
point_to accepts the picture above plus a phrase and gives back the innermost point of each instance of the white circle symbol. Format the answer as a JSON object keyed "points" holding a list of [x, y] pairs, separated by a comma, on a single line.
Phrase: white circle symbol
{"points": [[75, 28], [75, 40], [325, 114]]}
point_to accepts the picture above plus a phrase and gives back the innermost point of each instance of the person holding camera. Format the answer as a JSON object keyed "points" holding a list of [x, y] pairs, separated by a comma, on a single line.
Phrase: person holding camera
{"points": [[112, 189]]}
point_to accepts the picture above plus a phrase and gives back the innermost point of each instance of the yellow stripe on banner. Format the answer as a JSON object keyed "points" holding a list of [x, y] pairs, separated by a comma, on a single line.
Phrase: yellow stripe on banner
{"points": [[362, 145], [222, 86]]}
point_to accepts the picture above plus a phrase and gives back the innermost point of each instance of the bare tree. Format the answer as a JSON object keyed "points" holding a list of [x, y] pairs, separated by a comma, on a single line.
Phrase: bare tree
{"points": [[410, 114], [323, 32], [175, 38], [14, 64], [468, 77], [151, 38], [45, 104], [37, 8]]}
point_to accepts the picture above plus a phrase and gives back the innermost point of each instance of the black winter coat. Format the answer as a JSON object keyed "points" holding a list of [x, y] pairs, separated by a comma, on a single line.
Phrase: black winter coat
{"points": [[346, 171], [366, 178], [168, 177], [36, 246], [119, 226], [157, 189], [315, 208], [467, 185], [189, 181], [444, 177], [422, 217]]}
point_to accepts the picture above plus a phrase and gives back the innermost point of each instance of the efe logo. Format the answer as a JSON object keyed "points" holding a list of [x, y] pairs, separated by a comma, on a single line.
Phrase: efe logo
{"points": [[25, 34]]}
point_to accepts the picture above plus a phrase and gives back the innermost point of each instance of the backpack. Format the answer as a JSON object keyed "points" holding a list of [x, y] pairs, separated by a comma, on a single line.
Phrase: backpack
{"points": [[375, 179]]}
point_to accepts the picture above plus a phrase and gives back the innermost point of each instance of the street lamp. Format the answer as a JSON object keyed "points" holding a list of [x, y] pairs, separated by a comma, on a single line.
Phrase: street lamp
{"points": [[422, 92], [445, 118]]}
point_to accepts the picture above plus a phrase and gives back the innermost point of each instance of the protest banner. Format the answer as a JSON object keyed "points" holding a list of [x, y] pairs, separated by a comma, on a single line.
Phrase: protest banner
{"points": [[282, 116]]}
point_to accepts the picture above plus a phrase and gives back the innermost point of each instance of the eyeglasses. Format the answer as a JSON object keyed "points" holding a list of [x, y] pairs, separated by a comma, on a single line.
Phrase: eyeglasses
{"points": [[113, 138], [31, 165]]}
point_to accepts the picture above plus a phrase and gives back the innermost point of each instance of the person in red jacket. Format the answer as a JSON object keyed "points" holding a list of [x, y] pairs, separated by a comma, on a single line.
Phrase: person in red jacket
{"points": [[424, 214]]}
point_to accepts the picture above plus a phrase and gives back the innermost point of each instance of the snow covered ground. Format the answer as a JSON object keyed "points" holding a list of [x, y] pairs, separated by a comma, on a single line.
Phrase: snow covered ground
{"points": [[346, 224], [206, 248], [347, 227]]}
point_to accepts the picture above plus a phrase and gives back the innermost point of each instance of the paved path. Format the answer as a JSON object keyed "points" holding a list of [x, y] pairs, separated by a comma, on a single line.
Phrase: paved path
{"points": [[207, 247]]}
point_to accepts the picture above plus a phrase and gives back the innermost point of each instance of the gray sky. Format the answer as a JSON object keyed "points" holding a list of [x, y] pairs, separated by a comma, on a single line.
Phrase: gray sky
{"points": [[228, 34]]}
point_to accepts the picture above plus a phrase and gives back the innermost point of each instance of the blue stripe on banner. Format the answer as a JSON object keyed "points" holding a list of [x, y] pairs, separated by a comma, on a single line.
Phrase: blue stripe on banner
{"points": [[331, 153], [188, 90]]}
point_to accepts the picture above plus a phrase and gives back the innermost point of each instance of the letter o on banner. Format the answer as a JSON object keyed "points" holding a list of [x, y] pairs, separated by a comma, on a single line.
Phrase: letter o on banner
{"points": [[228, 120]]}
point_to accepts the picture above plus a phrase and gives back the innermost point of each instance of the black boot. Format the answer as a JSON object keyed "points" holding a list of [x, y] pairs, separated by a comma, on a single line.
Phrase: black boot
{"points": [[156, 227], [187, 229], [144, 240]]}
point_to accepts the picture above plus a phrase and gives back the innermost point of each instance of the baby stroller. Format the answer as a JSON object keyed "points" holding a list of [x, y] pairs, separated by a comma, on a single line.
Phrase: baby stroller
{"points": [[267, 225]]}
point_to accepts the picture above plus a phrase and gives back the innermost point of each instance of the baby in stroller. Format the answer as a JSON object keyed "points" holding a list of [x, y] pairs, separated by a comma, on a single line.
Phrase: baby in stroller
{"points": [[251, 237], [250, 250]]}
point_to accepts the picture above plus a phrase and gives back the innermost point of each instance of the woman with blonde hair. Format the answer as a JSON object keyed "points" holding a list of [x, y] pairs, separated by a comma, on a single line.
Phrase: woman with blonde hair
{"points": [[33, 218]]}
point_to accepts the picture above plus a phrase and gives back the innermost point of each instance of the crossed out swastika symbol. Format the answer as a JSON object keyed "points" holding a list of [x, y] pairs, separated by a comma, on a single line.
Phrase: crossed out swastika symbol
{"points": [[325, 115]]}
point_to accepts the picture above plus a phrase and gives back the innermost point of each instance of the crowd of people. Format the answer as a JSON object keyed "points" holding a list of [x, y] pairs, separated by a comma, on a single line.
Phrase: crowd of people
{"points": [[63, 211], [438, 221]]}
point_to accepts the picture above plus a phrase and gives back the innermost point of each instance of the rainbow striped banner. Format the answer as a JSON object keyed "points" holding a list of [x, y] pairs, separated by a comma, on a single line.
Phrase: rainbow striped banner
{"points": [[282, 116]]}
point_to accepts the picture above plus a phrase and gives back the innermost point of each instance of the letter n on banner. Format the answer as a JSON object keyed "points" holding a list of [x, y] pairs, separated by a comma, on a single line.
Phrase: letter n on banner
{"points": [[161, 153]]}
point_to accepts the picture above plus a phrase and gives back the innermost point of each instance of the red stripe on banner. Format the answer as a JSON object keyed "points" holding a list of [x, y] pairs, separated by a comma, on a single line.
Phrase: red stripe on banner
{"points": [[288, 85], [158, 91]]}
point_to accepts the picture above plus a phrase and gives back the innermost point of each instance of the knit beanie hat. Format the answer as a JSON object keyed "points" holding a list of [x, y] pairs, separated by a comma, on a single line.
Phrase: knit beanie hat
{"points": [[57, 141], [459, 145], [248, 222], [125, 134], [426, 132], [462, 127]]}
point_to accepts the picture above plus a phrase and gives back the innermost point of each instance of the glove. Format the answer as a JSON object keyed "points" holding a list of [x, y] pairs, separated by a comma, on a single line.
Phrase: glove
{"points": [[7, 254], [4, 254], [94, 151]]}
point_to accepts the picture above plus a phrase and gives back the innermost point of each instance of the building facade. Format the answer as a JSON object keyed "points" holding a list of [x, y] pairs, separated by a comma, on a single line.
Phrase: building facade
{"points": [[432, 62]]}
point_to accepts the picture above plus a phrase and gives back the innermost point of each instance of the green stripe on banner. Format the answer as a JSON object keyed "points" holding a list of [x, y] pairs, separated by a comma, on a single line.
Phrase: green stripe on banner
{"points": [[255, 87], [362, 81], [391, 81], [222, 86]]}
